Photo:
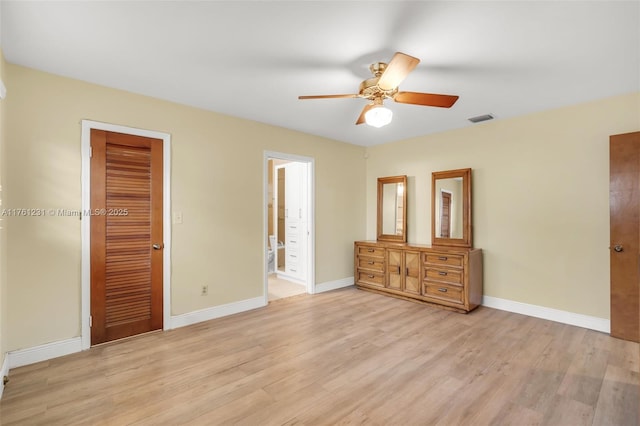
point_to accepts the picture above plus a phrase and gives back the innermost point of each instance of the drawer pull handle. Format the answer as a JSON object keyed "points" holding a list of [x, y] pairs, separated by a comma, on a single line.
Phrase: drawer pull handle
{"points": [[442, 273], [370, 276], [443, 290], [408, 272], [371, 250], [292, 242], [443, 258], [292, 255], [292, 227], [370, 263]]}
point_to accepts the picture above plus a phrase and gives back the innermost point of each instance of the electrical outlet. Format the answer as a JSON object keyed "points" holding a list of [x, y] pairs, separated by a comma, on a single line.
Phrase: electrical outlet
{"points": [[205, 290], [177, 217]]}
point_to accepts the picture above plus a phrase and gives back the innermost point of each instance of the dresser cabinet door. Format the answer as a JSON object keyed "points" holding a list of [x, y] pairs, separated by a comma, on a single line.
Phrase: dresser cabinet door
{"points": [[412, 272], [403, 271], [394, 269]]}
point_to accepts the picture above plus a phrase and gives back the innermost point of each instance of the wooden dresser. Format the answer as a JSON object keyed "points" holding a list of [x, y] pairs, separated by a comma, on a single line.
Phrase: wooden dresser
{"points": [[449, 277]]}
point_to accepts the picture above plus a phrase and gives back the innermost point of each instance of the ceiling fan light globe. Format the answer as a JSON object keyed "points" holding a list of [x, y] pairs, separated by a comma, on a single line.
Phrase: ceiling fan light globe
{"points": [[378, 116]]}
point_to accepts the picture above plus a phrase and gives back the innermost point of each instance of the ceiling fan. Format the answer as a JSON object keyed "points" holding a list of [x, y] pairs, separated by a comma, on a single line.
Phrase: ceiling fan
{"points": [[384, 85]]}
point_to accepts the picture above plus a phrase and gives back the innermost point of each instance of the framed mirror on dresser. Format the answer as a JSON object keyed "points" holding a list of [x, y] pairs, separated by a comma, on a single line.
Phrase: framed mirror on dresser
{"points": [[451, 208], [447, 273], [392, 209]]}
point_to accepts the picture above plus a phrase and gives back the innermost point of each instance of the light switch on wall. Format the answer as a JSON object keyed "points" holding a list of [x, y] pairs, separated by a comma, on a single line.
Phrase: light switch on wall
{"points": [[177, 217]]}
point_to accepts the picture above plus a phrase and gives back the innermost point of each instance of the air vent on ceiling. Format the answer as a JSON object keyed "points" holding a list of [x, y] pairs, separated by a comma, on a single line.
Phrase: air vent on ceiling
{"points": [[480, 118]]}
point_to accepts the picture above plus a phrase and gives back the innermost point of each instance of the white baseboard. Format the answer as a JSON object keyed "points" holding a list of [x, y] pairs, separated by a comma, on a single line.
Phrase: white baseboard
{"points": [[284, 276], [333, 285], [44, 352], [216, 312], [4, 371], [571, 318]]}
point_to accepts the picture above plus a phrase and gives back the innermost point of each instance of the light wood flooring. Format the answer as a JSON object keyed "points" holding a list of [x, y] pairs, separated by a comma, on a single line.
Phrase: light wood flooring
{"points": [[341, 357], [280, 288]]}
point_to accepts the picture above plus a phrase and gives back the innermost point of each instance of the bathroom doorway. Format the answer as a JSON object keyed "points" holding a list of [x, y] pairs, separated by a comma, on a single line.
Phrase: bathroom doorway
{"points": [[289, 224]]}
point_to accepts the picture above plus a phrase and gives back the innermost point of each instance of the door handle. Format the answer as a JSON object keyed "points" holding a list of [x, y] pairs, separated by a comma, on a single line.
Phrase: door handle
{"points": [[618, 248], [158, 246]]}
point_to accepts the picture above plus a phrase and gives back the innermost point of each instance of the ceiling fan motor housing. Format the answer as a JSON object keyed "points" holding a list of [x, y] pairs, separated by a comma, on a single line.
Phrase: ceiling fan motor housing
{"points": [[369, 88]]}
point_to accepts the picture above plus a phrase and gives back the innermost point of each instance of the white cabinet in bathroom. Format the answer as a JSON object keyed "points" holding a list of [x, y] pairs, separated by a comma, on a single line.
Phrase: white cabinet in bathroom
{"points": [[296, 220]]}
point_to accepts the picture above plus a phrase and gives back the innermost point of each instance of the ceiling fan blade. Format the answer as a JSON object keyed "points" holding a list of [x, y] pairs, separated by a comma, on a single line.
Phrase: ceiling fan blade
{"points": [[327, 96], [364, 111], [426, 99], [397, 70]]}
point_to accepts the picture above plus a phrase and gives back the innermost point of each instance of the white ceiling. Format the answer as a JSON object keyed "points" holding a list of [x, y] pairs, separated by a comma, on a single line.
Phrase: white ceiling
{"points": [[253, 59]]}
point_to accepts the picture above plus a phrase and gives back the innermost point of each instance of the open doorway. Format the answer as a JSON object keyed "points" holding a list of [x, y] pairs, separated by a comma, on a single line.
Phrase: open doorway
{"points": [[288, 226]]}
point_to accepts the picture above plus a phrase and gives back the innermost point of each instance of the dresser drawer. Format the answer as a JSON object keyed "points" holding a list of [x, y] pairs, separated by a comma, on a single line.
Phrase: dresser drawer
{"points": [[453, 276], [444, 292], [371, 278], [292, 230], [292, 268], [370, 251], [292, 257], [447, 259], [375, 264]]}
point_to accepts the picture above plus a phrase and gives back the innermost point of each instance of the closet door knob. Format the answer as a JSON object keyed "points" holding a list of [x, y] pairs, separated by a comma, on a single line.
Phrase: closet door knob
{"points": [[618, 248]]}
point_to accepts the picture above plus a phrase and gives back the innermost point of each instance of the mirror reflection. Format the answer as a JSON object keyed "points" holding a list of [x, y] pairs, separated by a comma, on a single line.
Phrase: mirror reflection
{"points": [[451, 208], [448, 199], [392, 209]]}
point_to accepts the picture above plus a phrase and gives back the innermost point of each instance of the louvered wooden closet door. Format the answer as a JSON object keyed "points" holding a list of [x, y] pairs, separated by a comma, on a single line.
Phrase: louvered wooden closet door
{"points": [[126, 235]]}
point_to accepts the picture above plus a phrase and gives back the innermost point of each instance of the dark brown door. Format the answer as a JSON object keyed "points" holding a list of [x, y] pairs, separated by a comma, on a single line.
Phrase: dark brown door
{"points": [[126, 235], [624, 202], [445, 215]]}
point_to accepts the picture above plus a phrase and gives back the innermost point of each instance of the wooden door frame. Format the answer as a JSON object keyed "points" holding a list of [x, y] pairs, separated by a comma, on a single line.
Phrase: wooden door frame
{"points": [[85, 226], [311, 256], [276, 228]]}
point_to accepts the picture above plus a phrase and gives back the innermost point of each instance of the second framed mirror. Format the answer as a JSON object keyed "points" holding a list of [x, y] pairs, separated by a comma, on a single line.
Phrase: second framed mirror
{"points": [[451, 208], [392, 209]]}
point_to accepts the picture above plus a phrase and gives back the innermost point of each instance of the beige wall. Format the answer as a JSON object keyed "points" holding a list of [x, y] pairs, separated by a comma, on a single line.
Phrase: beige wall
{"points": [[540, 198], [540, 205], [217, 183], [3, 235]]}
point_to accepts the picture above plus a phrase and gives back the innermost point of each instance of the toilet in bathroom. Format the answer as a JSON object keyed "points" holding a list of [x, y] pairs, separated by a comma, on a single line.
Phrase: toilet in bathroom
{"points": [[271, 266]]}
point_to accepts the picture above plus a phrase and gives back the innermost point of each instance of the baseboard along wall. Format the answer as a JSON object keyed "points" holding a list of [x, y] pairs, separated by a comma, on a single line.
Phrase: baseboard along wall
{"points": [[4, 371], [557, 315]]}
